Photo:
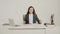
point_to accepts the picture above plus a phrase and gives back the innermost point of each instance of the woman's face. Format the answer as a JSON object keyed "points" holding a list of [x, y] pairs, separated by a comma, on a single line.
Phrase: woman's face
{"points": [[31, 10]]}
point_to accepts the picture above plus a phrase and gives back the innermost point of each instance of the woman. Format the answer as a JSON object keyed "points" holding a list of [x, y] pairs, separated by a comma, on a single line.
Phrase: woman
{"points": [[31, 16]]}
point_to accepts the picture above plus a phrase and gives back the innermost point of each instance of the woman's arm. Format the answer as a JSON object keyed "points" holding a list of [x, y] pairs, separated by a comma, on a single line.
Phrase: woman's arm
{"points": [[39, 21]]}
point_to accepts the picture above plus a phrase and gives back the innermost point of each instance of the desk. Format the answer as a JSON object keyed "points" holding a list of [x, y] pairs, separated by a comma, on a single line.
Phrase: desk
{"points": [[29, 27]]}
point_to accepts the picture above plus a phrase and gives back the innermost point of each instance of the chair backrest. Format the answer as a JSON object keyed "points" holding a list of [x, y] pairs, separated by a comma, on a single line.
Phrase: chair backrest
{"points": [[23, 17]]}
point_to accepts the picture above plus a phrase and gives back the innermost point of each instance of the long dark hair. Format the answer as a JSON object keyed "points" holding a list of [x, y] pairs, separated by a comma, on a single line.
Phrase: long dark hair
{"points": [[29, 9]]}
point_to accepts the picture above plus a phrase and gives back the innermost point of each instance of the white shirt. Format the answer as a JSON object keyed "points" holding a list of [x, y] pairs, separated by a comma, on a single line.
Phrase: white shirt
{"points": [[31, 18]]}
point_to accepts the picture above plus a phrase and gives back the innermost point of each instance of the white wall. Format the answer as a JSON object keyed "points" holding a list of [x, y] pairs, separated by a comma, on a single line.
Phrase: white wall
{"points": [[15, 9]]}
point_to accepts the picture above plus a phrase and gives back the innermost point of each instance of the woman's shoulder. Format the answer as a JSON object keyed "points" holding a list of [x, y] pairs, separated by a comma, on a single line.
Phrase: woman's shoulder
{"points": [[35, 14], [25, 15]]}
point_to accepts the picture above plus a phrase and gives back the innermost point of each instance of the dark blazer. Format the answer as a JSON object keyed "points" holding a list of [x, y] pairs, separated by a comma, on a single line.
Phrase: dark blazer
{"points": [[35, 18]]}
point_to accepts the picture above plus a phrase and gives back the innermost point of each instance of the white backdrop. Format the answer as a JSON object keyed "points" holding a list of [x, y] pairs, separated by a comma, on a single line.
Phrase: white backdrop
{"points": [[14, 9]]}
